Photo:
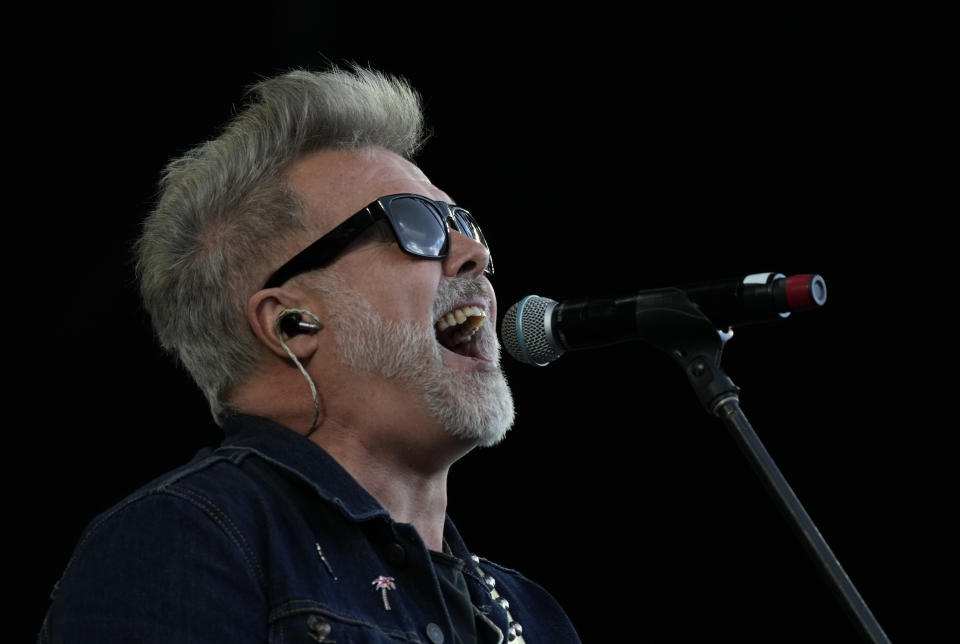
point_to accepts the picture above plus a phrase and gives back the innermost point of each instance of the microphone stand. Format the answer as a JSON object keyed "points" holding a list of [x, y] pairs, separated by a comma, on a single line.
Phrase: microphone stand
{"points": [[675, 325]]}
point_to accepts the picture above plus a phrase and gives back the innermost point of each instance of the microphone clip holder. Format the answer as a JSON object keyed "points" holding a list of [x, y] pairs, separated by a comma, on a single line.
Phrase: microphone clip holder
{"points": [[677, 326]]}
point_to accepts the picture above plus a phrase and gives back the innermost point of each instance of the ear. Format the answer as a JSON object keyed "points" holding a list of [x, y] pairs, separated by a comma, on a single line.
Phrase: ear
{"points": [[264, 312]]}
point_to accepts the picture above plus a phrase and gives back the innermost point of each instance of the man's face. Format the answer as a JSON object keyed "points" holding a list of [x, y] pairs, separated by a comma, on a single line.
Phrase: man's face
{"points": [[408, 320]]}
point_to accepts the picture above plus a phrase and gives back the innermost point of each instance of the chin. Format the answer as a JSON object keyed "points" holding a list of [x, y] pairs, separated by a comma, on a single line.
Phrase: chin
{"points": [[477, 406]]}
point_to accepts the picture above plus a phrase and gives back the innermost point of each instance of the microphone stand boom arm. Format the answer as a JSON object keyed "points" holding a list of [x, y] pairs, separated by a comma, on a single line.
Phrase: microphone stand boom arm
{"points": [[675, 325]]}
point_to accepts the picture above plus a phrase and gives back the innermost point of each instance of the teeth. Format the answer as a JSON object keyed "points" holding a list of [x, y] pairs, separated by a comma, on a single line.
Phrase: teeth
{"points": [[472, 317]]}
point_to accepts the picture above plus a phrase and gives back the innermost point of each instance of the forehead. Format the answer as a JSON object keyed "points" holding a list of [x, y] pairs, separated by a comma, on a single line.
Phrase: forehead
{"points": [[334, 184]]}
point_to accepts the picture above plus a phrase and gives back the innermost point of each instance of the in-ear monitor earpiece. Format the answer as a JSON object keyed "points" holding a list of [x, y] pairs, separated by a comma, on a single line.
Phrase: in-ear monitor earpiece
{"points": [[291, 322]]}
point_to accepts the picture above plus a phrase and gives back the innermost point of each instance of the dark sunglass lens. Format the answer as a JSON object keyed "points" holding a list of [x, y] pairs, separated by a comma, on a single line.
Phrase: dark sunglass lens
{"points": [[419, 228], [468, 226]]}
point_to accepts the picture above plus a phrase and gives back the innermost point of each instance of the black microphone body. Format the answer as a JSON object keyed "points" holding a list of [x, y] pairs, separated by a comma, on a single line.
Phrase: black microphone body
{"points": [[539, 330]]}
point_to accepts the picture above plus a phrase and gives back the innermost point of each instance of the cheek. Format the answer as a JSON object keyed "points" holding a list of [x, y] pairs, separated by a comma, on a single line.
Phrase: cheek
{"points": [[403, 289]]}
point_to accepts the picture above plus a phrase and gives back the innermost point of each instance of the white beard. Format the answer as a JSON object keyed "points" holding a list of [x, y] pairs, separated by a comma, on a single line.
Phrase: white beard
{"points": [[475, 406]]}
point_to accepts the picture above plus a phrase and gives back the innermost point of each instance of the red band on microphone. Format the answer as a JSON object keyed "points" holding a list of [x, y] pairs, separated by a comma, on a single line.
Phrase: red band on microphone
{"points": [[799, 292]]}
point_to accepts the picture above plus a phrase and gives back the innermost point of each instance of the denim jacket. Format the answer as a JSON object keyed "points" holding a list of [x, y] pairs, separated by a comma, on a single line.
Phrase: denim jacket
{"points": [[268, 539]]}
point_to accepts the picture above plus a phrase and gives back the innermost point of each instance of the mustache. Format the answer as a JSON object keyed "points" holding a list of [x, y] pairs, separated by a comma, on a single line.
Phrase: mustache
{"points": [[456, 290]]}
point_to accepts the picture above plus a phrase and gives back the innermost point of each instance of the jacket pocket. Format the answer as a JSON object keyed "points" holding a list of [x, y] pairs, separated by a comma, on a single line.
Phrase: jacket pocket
{"points": [[310, 622]]}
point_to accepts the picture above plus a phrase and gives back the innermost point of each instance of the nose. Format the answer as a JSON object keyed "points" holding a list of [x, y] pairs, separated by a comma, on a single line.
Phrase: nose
{"points": [[466, 257]]}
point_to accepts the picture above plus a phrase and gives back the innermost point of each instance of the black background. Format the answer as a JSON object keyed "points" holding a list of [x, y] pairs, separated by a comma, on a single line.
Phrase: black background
{"points": [[604, 150]]}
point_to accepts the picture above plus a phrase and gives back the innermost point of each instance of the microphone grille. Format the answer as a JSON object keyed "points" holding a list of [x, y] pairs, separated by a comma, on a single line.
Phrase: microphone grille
{"points": [[525, 331]]}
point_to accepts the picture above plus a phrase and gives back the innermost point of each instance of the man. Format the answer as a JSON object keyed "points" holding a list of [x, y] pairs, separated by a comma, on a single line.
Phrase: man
{"points": [[332, 305]]}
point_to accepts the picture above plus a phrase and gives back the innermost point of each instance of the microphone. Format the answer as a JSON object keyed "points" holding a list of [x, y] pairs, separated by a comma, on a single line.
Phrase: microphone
{"points": [[537, 330]]}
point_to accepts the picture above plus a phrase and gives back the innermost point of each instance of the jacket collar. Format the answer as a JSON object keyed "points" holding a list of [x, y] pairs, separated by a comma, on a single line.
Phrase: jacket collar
{"points": [[303, 458]]}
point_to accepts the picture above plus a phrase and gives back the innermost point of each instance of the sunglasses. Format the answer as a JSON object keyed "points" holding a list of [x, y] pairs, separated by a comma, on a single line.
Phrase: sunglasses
{"points": [[420, 225]]}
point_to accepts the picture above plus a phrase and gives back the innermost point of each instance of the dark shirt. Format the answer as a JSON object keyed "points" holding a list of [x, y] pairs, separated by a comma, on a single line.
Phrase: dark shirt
{"points": [[268, 539], [455, 593]]}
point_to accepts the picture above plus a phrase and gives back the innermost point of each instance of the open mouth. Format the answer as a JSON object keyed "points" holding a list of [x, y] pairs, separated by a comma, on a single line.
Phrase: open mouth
{"points": [[456, 329]]}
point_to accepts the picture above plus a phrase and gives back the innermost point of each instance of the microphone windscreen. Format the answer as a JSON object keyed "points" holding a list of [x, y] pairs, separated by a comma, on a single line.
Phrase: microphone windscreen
{"points": [[525, 331]]}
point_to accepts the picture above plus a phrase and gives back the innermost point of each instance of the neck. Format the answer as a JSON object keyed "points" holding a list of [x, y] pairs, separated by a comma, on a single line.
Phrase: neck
{"points": [[410, 487], [401, 455]]}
